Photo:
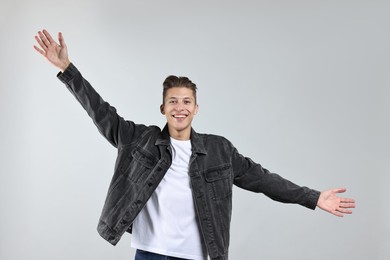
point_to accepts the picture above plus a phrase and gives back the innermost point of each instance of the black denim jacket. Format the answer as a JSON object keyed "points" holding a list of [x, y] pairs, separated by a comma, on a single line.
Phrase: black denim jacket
{"points": [[144, 156]]}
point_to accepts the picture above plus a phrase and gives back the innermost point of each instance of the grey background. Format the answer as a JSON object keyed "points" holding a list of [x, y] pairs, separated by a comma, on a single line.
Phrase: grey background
{"points": [[301, 87]]}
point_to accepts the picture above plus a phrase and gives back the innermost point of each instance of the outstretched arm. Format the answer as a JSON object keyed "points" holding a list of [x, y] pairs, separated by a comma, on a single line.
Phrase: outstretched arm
{"points": [[330, 202], [113, 127], [56, 54]]}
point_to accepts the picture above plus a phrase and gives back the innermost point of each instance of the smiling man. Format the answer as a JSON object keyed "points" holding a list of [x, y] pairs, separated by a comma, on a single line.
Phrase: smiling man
{"points": [[179, 106], [172, 188]]}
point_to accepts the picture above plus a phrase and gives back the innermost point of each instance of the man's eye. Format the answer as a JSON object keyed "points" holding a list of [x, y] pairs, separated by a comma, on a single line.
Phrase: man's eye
{"points": [[172, 101]]}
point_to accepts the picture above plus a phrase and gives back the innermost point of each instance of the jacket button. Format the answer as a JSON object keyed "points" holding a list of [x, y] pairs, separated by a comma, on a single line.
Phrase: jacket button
{"points": [[150, 184]]}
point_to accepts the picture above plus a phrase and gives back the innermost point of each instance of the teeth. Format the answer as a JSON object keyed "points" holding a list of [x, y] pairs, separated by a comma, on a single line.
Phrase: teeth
{"points": [[179, 116]]}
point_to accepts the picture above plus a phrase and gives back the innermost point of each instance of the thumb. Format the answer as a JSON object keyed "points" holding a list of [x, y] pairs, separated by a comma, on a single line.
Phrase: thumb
{"points": [[61, 39], [340, 190]]}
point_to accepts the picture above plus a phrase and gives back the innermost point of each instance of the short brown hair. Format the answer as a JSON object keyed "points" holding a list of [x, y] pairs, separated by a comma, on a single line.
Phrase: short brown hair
{"points": [[174, 81]]}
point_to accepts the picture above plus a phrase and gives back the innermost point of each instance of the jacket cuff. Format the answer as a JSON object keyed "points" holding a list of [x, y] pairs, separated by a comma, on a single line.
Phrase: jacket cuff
{"points": [[313, 197], [68, 73]]}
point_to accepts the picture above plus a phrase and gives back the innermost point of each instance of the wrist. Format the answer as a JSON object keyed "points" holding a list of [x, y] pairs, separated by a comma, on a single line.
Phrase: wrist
{"points": [[64, 66]]}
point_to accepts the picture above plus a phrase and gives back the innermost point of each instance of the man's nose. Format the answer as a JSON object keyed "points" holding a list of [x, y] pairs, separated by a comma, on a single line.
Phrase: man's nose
{"points": [[179, 106]]}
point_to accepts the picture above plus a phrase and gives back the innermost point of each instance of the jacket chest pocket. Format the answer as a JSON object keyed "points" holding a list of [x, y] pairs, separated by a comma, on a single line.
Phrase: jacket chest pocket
{"points": [[138, 165], [219, 181]]}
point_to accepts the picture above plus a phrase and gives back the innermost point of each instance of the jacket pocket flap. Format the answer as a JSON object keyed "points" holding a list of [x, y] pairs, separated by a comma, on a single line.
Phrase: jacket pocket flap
{"points": [[145, 158], [218, 173]]}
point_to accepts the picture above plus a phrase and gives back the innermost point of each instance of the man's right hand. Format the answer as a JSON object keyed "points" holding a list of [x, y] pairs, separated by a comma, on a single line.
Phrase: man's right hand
{"points": [[56, 54]]}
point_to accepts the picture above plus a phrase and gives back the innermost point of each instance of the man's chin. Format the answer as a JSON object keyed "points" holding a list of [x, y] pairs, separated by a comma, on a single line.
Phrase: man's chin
{"points": [[179, 127]]}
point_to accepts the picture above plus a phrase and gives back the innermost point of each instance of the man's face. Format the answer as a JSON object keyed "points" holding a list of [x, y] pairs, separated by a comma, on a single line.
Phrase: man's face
{"points": [[179, 108]]}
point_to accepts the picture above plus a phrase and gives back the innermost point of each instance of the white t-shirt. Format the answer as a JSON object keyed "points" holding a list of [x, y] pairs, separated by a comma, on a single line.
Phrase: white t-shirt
{"points": [[167, 224]]}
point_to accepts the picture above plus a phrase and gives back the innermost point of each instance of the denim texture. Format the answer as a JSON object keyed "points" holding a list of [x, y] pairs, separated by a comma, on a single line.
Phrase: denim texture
{"points": [[145, 255], [144, 156]]}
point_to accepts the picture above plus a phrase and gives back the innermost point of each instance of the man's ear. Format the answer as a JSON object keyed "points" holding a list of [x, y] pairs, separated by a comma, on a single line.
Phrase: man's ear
{"points": [[196, 109], [162, 110]]}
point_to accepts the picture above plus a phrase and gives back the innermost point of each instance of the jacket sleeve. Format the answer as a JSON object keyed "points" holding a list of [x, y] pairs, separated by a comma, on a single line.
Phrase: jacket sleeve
{"points": [[253, 177], [113, 127]]}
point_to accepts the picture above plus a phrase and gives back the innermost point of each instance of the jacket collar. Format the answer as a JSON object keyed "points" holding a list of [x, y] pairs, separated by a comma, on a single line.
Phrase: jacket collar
{"points": [[196, 140]]}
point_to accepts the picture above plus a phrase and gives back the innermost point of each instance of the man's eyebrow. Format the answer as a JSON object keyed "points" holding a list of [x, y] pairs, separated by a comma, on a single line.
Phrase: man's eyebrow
{"points": [[180, 98]]}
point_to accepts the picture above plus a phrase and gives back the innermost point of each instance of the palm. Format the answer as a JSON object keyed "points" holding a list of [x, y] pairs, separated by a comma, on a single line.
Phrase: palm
{"points": [[330, 202], [57, 54]]}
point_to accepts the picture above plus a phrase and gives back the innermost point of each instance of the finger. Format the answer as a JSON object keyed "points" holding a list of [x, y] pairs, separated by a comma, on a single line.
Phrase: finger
{"points": [[338, 214], [344, 211], [39, 50], [49, 38], [347, 200], [39, 41], [61, 39], [44, 40], [339, 190], [347, 205]]}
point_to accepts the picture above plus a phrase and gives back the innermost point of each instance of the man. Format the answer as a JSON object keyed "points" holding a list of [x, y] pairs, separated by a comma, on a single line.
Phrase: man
{"points": [[172, 188]]}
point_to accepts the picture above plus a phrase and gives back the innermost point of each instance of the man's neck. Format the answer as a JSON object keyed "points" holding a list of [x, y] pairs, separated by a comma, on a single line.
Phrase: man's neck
{"points": [[180, 135]]}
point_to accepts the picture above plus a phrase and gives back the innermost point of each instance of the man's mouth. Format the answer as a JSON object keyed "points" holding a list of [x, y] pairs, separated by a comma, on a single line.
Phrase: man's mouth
{"points": [[179, 116]]}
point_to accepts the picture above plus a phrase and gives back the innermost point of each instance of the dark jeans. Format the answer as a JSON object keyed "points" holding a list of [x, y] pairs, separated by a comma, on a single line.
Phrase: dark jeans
{"points": [[145, 255]]}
